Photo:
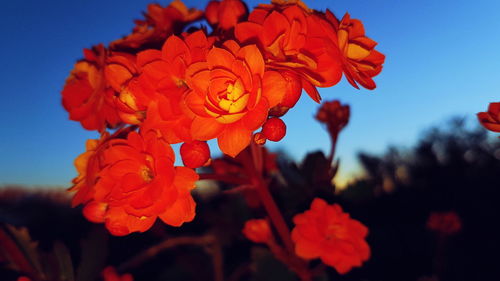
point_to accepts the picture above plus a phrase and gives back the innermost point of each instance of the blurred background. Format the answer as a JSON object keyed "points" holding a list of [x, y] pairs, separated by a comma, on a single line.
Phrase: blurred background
{"points": [[441, 62]]}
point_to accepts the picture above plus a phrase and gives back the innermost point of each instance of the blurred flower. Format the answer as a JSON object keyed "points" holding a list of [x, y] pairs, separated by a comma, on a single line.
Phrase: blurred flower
{"points": [[109, 274], [23, 278], [226, 13], [159, 23], [326, 232], [444, 223], [491, 119], [334, 115], [257, 230]]}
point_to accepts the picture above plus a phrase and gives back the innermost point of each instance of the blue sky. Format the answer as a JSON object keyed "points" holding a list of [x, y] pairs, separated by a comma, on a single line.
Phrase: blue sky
{"points": [[442, 59]]}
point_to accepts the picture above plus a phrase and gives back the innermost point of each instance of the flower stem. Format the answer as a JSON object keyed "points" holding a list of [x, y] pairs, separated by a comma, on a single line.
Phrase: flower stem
{"points": [[296, 264], [332, 150]]}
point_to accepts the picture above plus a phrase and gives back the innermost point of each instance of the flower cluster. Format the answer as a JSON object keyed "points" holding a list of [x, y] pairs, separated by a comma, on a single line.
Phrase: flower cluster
{"points": [[171, 81]]}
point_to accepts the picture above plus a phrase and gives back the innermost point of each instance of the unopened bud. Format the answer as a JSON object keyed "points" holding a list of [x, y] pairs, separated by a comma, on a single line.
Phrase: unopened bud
{"points": [[259, 138], [274, 129], [257, 230], [195, 154]]}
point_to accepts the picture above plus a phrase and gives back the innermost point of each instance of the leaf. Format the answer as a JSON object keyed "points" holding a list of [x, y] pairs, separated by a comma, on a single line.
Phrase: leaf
{"points": [[21, 251], [64, 262]]}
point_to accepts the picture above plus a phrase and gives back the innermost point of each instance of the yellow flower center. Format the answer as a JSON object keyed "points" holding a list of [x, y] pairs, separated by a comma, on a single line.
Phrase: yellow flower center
{"points": [[146, 174], [232, 101]]}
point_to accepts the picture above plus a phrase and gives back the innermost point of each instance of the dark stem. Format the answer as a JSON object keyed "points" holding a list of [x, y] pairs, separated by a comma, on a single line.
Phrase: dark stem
{"points": [[332, 149], [207, 240]]}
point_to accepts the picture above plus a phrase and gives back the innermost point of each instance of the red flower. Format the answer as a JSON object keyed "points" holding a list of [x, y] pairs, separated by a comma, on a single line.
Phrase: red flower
{"points": [[134, 92], [86, 95], [159, 23], [257, 230], [334, 115], [225, 14], [136, 183], [109, 274], [231, 93], [361, 61], [88, 165], [445, 223], [491, 119], [295, 39], [168, 114], [326, 232]]}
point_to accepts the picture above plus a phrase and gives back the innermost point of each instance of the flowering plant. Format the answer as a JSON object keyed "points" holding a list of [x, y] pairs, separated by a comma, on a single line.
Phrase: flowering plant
{"points": [[176, 80]]}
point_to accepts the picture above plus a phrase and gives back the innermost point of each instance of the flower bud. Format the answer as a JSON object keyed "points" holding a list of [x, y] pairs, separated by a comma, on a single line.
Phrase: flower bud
{"points": [[257, 230], [195, 154], [334, 115], [259, 139], [274, 129]]}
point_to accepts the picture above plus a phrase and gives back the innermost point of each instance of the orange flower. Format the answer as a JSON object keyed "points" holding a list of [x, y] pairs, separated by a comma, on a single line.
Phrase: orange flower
{"points": [[225, 14], [361, 61], [86, 96], [134, 92], [109, 274], [138, 183], [159, 23], [294, 38], [491, 119], [257, 230], [231, 93], [326, 232], [166, 74], [444, 223], [88, 165], [334, 115]]}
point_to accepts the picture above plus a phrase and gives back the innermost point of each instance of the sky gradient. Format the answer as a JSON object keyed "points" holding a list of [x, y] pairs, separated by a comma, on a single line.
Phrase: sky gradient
{"points": [[441, 60]]}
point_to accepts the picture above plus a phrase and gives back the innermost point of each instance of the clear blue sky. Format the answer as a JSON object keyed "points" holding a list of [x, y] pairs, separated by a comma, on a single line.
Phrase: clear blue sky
{"points": [[442, 60]]}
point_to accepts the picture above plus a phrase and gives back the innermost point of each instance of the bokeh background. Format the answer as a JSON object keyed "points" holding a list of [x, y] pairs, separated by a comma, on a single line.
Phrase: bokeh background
{"points": [[441, 61]]}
